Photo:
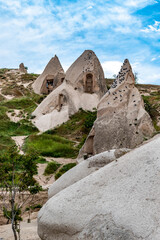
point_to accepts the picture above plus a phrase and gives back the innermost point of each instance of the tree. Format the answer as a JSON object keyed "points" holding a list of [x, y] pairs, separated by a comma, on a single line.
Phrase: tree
{"points": [[17, 185], [136, 77]]}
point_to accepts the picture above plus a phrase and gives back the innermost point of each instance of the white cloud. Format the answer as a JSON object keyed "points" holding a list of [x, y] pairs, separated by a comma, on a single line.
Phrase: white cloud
{"points": [[34, 33], [147, 73], [152, 28], [138, 3], [111, 67]]}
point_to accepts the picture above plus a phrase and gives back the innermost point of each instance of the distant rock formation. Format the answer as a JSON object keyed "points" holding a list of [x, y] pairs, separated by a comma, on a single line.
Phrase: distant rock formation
{"points": [[22, 68], [82, 87], [52, 76], [122, 121], [119, 201]]}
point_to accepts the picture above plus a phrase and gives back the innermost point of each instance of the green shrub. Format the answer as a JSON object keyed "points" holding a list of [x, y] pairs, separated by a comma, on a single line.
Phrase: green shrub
{"points": [[150, 108], [51, 168], [9, 128], [64, 169], [6, 143], [90, 118], [77, 127], [41, 160], [52, 146]]}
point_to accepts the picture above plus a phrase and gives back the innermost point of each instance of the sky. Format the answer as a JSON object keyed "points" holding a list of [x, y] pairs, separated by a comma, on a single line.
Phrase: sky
{"points": [[32, 32]]}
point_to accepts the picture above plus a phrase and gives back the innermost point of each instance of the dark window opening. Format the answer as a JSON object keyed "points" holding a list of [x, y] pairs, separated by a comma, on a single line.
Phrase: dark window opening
{"points": [[89, 83]]}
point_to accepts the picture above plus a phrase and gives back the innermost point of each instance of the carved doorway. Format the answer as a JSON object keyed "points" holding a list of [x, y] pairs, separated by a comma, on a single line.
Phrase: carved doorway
{"points": [[89, 83]]}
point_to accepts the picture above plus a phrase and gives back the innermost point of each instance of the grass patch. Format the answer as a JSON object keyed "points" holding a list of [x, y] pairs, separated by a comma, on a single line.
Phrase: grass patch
{"points": [[1, 98], [64, 169], [15, 90], [3, 70], [41, 160], [77, 128], [51, 168], [151, 106], [27, 77], [8, 128], [6, 143], [24, 103], [50, 145]]}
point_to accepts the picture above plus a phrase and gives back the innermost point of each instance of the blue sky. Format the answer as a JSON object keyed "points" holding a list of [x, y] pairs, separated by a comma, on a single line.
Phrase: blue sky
{"points": [[34, 31]]}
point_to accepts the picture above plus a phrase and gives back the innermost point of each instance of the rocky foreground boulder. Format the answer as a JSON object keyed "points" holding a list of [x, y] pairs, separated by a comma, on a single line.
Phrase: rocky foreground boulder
{"points": [[85, 168], [119, 201], [122, 121]]}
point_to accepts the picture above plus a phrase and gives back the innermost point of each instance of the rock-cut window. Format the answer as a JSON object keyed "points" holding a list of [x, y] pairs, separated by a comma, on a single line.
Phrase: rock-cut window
{"points": [[89, 83]]}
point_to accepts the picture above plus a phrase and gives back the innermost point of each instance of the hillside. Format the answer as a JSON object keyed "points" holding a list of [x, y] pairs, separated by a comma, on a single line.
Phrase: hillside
{"points": [[61, 145]]}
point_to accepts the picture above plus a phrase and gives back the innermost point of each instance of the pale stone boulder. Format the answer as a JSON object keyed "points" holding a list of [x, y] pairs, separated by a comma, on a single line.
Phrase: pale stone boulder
{"points": [[119, 201], [122, 121], [52, 76], [22, 68], [83, 87], [84, 169]]}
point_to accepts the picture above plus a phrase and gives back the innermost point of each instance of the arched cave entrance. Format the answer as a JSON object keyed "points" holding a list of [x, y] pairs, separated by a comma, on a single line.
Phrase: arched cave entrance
{"points": [[89, 83], [49, 85]]}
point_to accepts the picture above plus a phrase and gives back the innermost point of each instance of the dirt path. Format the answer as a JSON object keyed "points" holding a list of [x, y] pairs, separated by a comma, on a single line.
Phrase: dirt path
{"points": [[14, 116], [19, 140], [28, 231], [46, 181]]}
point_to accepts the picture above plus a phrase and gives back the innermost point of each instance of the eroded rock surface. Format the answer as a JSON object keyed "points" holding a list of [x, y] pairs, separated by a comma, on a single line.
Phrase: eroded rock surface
{"points": [[122, 121], [85, 168], [52, 76], [22, 68], [119, 201], [83, 87]]}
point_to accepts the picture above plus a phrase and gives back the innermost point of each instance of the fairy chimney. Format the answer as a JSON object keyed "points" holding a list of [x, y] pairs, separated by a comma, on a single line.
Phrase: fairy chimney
{"points": [[122, 121], [52, 76], [86, 74], [83, 87]]}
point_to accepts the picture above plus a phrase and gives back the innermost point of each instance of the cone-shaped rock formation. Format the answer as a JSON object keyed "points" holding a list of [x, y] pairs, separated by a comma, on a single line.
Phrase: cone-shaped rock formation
{"points": [[52, 76], [122, 121], [83, 87], [86, 74]]}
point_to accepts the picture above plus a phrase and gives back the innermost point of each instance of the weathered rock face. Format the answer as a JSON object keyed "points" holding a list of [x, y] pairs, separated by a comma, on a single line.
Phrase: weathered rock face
{"points": [[52, 76], [122, 121], [119, 201], [73, 93], [86, 74], [84, 169], [22, 68]]}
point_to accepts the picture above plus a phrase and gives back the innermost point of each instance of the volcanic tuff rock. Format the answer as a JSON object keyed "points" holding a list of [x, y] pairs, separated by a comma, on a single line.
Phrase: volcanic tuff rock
{"points": [[86, 74], [122, 121], [22, 68], [52, 76], [84, 169], [119, 201], [83, 87]]}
